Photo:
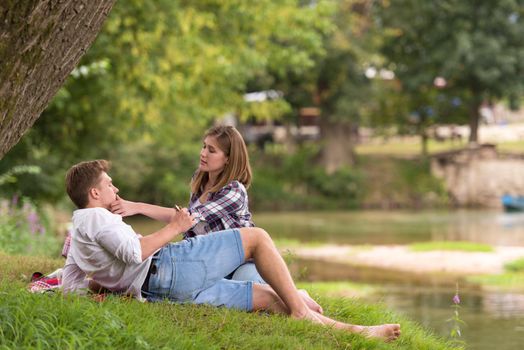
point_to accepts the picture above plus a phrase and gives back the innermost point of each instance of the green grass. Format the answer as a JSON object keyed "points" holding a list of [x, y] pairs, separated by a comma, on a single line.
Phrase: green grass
{"points": [[511, 147], [407, 147], [411, 146], [295, 243], [53, 321], [513, 281], [338, 289], [515, 266], [452, 246]]}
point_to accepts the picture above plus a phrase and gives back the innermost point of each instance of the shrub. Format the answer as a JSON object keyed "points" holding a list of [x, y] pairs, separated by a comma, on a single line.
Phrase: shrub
{"points": [[24, 229]]}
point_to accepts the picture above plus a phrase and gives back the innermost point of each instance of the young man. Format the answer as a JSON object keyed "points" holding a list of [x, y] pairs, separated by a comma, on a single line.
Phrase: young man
{"points": [[107, 253]]}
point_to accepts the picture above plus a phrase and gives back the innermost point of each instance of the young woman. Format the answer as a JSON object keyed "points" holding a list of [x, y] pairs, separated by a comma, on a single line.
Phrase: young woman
{"points": [[219, 199]]}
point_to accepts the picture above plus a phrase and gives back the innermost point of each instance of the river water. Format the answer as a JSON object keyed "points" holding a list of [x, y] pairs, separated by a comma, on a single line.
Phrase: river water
{"points": [[493, 319]]}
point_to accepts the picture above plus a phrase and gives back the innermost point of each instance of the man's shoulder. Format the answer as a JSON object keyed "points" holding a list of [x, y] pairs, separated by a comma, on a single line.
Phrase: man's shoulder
{"points": [[92, 219]]}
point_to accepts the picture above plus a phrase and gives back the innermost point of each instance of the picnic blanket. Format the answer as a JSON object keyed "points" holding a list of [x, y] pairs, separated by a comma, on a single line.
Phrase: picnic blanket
{"points": [[41, 283]]}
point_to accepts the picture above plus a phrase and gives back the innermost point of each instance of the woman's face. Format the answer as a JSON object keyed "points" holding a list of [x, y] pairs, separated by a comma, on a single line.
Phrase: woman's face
{"points": [[212, 158]]}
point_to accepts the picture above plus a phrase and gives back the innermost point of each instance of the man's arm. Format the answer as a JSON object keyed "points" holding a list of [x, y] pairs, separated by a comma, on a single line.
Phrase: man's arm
{"points": [[73, 279], [180, 222]]}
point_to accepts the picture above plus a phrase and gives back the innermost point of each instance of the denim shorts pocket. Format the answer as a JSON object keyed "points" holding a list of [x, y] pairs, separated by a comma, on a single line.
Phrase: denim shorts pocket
{"points": [[190, 278]]}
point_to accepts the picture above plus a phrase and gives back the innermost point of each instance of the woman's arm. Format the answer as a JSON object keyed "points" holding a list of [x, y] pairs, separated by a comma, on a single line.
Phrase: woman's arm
{"points": [[127, 208]]}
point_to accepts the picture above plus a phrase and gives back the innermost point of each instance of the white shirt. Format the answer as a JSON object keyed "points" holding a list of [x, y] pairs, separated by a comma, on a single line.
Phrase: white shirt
{"points": [[106, 250]]}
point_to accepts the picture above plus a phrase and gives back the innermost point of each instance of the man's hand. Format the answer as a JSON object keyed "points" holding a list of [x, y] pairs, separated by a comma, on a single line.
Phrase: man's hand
{"points": [[124, 208], [182, 220]]}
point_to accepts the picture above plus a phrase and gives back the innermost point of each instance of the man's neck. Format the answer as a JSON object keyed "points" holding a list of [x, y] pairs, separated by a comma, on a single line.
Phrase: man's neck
{"points": [[92, 205]]}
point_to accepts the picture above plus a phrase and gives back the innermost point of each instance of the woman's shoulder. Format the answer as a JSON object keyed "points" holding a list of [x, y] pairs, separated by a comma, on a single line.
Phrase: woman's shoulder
{"points": [[236, 185]]}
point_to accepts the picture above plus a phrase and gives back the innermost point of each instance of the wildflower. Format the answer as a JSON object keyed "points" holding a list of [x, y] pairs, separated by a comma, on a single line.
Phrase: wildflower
{"points": [[455, 320], [32, 219], [14, 201]]}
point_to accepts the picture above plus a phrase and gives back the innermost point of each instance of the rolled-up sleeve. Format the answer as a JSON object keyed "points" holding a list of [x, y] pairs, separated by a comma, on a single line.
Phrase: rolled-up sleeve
{"points": [[122, 242]]}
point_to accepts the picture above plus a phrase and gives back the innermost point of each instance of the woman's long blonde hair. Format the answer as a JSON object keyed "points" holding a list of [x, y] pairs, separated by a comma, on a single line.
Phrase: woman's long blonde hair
{"points": [[237, 167]]}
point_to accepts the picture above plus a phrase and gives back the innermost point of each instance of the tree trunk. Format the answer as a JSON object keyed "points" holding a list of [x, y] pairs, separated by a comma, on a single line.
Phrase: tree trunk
{"points": [[337, 144], [424, 142], [41, 41], [474, 116]]}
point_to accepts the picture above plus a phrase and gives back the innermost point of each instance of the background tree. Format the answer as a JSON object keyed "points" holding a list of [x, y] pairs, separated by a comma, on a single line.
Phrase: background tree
{"points": [[41, 43], [159, 73], [476, 46], [338, 85]]}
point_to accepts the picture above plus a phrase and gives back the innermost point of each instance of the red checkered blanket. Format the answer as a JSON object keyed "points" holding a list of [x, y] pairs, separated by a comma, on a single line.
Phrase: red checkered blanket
{"points": [[41, 283]]}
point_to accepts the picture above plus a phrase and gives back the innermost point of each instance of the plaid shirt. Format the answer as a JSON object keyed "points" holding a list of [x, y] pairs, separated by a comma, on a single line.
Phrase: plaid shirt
{"points": [[224, 209]]}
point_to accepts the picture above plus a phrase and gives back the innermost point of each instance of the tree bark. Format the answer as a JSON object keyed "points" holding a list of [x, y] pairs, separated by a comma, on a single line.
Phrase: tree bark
{"points": [[474, 117], [41, 41], [337, 144]]}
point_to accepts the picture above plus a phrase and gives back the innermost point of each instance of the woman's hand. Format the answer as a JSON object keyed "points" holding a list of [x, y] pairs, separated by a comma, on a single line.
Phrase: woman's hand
{"points": [[124, 208]]}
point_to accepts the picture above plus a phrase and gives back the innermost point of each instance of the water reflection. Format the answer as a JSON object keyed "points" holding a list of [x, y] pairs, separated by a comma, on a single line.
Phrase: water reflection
{"points": [[397, 227], [384, 227], [494, 320]]}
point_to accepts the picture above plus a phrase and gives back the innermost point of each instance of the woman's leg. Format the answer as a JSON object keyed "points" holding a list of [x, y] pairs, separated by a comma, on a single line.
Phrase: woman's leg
{"points": [[265, 298], [258, 246]]}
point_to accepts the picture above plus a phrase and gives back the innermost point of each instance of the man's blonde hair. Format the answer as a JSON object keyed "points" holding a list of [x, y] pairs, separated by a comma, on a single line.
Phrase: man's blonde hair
{"points": [[237, 167]]}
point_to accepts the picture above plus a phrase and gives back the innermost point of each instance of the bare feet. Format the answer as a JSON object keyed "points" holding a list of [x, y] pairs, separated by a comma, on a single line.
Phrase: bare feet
{"points": [[311, 304], [386, 332], [308, 315]]}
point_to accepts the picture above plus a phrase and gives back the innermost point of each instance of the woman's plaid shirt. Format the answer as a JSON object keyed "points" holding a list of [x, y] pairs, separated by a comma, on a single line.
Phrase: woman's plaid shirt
{"points": [[224, 209]]}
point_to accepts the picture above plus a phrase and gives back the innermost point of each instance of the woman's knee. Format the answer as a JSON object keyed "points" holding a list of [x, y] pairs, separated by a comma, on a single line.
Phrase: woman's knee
{"points": [[252, 237]]}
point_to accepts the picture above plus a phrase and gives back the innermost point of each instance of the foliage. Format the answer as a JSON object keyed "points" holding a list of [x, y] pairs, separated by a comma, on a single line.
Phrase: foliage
{"points": [[397, 183], [24, 229], [476, 47], [451, 245], [294, 182], [10, 175], [53, 321], [154, 80]]}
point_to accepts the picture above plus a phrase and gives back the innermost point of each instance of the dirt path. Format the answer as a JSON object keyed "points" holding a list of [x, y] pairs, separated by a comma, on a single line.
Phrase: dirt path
{"points": [[400, 258]]}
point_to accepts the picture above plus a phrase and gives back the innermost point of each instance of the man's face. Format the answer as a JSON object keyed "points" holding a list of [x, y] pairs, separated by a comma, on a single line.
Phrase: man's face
{"points": [[106, 191]]}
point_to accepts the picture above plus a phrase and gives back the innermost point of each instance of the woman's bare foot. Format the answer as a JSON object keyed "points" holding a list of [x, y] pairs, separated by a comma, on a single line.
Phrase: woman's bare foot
{"points": [[386, 332], [311, 304], [307, 315]]}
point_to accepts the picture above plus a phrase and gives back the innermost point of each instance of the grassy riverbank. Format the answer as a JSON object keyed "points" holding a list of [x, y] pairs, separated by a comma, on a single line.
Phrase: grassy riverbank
{"points": [[51, 321]]}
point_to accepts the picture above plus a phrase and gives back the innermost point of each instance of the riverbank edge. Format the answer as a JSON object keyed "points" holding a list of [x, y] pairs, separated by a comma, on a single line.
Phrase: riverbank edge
{"points": [[398, 262]]}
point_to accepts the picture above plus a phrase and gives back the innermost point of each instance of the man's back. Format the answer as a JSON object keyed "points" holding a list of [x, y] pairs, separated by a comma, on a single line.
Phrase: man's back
{"points": [[106, 250]]}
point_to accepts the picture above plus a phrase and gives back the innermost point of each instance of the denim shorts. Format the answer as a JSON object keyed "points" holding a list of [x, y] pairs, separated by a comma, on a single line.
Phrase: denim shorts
{"points": [[193, 271]]}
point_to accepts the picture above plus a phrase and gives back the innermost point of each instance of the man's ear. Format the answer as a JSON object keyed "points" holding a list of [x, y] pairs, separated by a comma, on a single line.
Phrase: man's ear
{"points": [[93, 193]]}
